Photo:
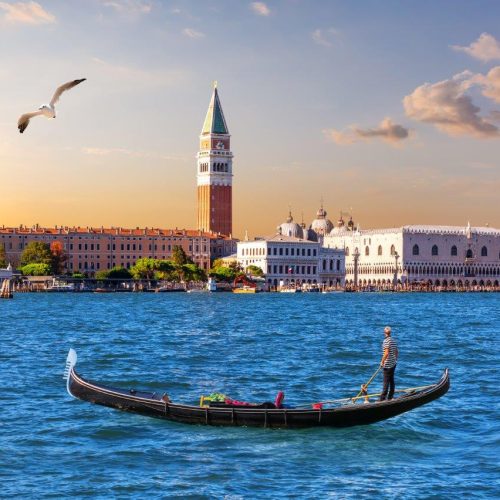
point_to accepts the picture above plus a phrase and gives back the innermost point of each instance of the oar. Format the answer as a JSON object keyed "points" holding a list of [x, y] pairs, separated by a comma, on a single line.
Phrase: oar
{"points": [[367, 384]]}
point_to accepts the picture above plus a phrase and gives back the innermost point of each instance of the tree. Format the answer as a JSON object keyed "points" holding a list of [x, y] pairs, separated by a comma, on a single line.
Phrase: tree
{"points": [[78, 275], [255, 271], [145, 268], [166, 270], [103, 274], [192, 272], [59, 257], [3, 256], [36, 252], [36, 269], [119, 273], [226, 274], [179, 257]]}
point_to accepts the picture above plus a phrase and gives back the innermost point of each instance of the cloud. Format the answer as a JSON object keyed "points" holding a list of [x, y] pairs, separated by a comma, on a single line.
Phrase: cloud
{"points": [[446, 105], [324, 37], [387, 130], [485, 48], [129, 7], [260, 8], [490, 84], [26, 13], [191, 33]]}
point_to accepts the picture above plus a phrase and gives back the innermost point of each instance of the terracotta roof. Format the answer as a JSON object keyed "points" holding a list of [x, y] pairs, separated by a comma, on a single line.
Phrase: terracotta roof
{"points": [[121, 231]]}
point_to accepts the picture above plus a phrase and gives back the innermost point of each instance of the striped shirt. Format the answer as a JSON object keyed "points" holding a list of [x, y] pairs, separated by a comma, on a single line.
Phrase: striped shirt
{"points": [[391, 344]]}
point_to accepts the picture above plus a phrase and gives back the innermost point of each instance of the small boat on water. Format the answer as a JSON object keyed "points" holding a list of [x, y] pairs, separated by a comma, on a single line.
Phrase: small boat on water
{"points": [[58, 286], [337, 413]]}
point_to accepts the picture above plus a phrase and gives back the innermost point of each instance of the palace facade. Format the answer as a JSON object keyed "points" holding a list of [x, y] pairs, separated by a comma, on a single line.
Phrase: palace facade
{"points": [[295, 255], [448, 256]]}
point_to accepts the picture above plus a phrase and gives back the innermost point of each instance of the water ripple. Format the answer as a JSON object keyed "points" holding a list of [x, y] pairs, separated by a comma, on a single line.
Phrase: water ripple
{"points": [[311, 346]]}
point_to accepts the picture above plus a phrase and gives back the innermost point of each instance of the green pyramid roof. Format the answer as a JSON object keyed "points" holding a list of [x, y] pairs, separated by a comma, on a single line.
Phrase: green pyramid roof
{"points": [[214, 121]]}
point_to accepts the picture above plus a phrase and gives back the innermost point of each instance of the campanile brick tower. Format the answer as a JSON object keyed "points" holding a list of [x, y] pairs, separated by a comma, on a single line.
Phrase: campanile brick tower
{"points": [[215, 172]]}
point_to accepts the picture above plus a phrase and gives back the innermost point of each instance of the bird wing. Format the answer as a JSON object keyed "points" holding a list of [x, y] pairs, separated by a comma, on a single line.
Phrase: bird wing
{"points": [[24, 120], [63, 88]]}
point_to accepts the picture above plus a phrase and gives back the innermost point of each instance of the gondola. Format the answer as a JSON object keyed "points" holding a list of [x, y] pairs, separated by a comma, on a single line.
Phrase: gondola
{"points": [[338, 413]]}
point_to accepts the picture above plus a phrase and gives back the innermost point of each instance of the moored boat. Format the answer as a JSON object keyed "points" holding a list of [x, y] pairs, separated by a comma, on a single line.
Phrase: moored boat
{"points": [[337, 413]]}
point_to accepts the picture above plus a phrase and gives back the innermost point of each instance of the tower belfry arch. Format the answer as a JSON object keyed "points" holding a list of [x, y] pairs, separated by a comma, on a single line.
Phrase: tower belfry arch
{"points": [[215, 171]]}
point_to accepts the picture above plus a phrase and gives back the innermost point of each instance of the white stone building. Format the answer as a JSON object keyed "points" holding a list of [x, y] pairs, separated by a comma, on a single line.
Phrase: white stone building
{"points": [[449, 256], [290, 260]]}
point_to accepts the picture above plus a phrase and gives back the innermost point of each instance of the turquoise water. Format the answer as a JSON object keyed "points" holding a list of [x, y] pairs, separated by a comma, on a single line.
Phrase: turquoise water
{"points": [[312, 346]]}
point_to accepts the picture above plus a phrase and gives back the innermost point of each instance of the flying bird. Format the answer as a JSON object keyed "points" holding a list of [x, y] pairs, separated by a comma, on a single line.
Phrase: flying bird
{"points": [[47, 110]]}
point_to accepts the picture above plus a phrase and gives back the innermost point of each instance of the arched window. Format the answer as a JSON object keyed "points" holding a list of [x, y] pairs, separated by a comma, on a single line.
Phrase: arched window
{"points": [[380, 249], [435, 250], [367, 250], [416, 250], [484, 252], [454, 251], [347, 250], [393, 250], [468, 255]]}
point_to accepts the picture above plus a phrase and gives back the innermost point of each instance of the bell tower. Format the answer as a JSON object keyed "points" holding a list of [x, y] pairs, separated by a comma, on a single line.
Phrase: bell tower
{"points": [[215, 172]]}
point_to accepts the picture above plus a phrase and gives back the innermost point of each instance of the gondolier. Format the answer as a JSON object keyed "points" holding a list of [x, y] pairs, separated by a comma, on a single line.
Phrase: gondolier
{"points": [[388, 363]]}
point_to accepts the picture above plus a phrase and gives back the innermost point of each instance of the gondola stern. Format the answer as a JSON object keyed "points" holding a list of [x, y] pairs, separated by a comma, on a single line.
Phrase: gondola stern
{"points": [[70, 364]]}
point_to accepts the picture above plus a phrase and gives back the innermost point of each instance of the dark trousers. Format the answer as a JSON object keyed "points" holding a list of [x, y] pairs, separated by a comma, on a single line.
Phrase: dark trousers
{"points": [[389, 385]]}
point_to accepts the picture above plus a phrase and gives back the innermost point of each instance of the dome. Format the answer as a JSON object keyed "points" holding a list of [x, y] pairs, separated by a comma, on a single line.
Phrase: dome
{"points": [[321, 225], [338, 230], [291, 228]]}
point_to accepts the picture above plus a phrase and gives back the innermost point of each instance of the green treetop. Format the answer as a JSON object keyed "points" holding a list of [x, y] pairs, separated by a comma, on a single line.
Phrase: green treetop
{"points": [[36, 252]]}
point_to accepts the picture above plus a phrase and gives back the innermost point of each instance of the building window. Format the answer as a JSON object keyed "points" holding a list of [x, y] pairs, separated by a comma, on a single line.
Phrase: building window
{"points": [[454, 251], [435, 250], [468, 255], [367, 250], [347, 251], [484, 252], [416, 250], [393, 250], [380, 250]]}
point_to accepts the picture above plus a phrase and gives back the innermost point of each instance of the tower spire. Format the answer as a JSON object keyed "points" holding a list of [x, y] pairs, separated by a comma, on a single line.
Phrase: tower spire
{"points": [[215, 171]]}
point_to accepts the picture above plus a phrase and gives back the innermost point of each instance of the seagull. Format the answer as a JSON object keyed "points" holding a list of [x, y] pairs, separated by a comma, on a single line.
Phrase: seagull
{"points": [[47, 110]]}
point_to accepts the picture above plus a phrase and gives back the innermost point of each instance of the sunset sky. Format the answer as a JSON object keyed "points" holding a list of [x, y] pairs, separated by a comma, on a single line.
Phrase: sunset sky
{"points": [[389, 110]]}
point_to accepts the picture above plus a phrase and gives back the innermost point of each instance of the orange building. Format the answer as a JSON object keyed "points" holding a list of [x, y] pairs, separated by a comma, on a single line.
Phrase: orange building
{"points": [[92, 249], [215, 172]]}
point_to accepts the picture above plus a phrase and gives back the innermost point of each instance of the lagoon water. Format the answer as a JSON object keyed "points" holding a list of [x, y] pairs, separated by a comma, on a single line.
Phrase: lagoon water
{"points": [[312, 346]]}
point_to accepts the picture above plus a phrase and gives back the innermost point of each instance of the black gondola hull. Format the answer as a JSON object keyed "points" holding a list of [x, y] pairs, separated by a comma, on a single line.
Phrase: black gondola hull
{"points": [[152, 405]]}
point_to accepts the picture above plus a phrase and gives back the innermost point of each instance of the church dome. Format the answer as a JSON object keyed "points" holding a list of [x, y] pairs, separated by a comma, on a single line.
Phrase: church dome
{"points": [[321, 225], [291, 228]]}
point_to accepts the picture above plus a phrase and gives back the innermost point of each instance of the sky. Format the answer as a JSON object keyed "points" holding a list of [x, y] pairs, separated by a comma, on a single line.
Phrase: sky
{"points": [[389, 111]]}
